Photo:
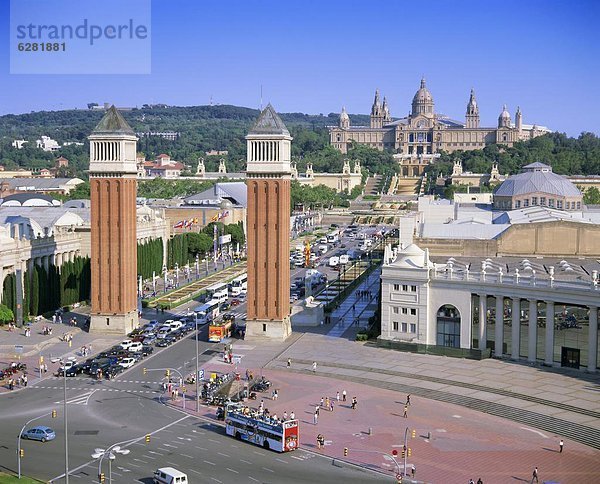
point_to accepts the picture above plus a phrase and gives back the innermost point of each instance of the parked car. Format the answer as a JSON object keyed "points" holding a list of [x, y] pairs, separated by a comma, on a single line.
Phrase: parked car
{"points": [[225, 306], [136, 347], [148, 340], [74, 370], [112, 370], [235, 302], [41, 433], [163, 332], [146, 350], [127, 362], [125, 344]]}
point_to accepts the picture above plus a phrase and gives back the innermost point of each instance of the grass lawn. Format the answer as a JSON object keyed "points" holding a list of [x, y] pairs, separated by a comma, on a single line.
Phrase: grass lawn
{"points": [[10, 479]]}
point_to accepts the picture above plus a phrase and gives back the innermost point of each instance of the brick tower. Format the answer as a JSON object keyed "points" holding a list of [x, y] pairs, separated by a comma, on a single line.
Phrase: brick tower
{"points": [[113, 188], [268, 180]]}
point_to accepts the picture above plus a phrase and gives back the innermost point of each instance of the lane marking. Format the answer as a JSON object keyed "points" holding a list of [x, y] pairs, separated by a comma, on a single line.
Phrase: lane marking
{"points": [[267, 469], [210, 463], [255, 480], [281, 460], [224, 455], [245, 461], [232, 470]]}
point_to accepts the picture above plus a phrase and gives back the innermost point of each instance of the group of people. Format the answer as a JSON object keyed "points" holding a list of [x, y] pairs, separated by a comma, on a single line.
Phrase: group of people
{"points": [[262, 414], [57, 318], [27, 332], [86, 350], [47, 331], [67, 337], [22, 381]]}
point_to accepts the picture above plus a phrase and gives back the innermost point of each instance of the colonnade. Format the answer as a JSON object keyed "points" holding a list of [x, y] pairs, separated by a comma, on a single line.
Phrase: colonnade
{"points": [[532, 332]]}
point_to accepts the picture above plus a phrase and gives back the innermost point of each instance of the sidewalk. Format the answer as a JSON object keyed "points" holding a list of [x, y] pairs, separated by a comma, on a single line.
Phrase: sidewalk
{"points": [[452, 444]]}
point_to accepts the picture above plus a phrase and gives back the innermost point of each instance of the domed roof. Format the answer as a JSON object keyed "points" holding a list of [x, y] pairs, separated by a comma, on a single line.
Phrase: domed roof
{"points": [[504, 114], [423, 94], [344, 115], [537, 178]]}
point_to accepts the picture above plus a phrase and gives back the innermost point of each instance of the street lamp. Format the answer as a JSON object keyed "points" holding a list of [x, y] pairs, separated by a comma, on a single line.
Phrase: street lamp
{"points": [[64, 367], [176, 274], [197, 266], [165, 276], [110, 453], [19, 456]]}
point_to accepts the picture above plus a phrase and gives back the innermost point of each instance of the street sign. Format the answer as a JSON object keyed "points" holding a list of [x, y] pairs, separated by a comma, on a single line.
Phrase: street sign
{"points": [[201, 374], [394, 452], [237, 358]]}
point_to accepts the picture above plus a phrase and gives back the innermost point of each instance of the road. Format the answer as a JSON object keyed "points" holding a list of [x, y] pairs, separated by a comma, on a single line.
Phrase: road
{"points": [[102, 413]]}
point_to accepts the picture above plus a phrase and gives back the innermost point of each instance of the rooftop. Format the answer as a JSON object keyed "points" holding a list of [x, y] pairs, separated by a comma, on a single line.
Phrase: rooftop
{"points": [[269, 122]]}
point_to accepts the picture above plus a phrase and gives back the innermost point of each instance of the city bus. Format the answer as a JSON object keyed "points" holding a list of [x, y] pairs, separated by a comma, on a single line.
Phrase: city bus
{"points": [[219, 330], [246, 424], [217, 291], [208, 311], [239, 285], [333, 238]]}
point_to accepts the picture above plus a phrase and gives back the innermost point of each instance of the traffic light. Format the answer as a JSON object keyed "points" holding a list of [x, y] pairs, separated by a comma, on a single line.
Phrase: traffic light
{"points": [[345, 451], [145, 371], [409, 452], [22, 453], [53, 413], [101, 477], [403, 453], [147, 438], [413, 433], [168, 373]]}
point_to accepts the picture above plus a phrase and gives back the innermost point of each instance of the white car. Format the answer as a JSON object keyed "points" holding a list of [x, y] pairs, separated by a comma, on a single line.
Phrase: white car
{"points": [[136, 347], [127, 362], [174, 325], [125, 344]]}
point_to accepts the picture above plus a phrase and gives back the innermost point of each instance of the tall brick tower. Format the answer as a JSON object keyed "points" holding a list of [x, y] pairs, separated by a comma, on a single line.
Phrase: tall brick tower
{"points": [[268, 228], [113, 187]]}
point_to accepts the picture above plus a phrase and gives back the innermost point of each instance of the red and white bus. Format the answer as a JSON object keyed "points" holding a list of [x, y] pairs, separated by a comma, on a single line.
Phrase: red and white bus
{"points": [[280, 436]]}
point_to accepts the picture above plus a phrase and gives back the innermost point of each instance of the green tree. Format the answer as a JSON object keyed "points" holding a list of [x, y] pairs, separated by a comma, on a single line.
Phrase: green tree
{"points": [[591, 196], [6, 314]]}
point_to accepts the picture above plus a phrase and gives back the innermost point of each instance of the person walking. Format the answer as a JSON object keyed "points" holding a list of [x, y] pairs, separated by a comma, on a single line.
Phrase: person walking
{"points": [[535, 476], [354, 403], [316, 418], [337, 397], [314, 366], [344, 396], [561, 445], [331, 405], [407, 399], [479, 481], [289, 362], [317, 407], [322, 401], [327, 403], [405, 411], [471, 481], [292, 415], [413, 471], [320, 441]]}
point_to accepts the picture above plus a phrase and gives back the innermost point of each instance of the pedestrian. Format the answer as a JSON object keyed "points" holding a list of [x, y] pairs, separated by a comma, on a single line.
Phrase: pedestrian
{"points": [[285, 416], [247, 374], [24, 380], [413, 471], [405, 411], [331, 405], [322, 401], [344, 396], [314, 366], [180, 381], [337, 397], [164, 387], [292, 415], [534, 476], [317, 409], [327, 403], [408, 399], [479, 481], [315, 418], [319, 437], [354, 403], [262, 405], [561, 445], [471, 481], [54, 319], [289, 362]]}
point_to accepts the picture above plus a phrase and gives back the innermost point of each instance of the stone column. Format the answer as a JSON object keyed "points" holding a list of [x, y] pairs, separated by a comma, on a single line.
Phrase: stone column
{"points": [[482, 321], [593, 339], [1, 282], [516, 328], [499, 331], [549, 351], [58, 259], [532, 333]]}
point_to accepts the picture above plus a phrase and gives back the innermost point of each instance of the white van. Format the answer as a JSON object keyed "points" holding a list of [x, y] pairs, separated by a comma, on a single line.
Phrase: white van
{"points": [[323, 249], [334, 261], [344, 259], [169, 475]]}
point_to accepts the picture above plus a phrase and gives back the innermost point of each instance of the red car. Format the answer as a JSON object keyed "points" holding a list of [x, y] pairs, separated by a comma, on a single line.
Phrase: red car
{"points": [[235, 302]]}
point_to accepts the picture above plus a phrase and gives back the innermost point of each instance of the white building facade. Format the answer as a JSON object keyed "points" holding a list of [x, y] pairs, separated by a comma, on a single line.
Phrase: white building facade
{"points": [[543, 311]]}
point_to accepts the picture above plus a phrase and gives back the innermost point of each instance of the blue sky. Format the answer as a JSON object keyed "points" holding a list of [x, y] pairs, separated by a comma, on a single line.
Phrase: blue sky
{"points": [[315, 56]]}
